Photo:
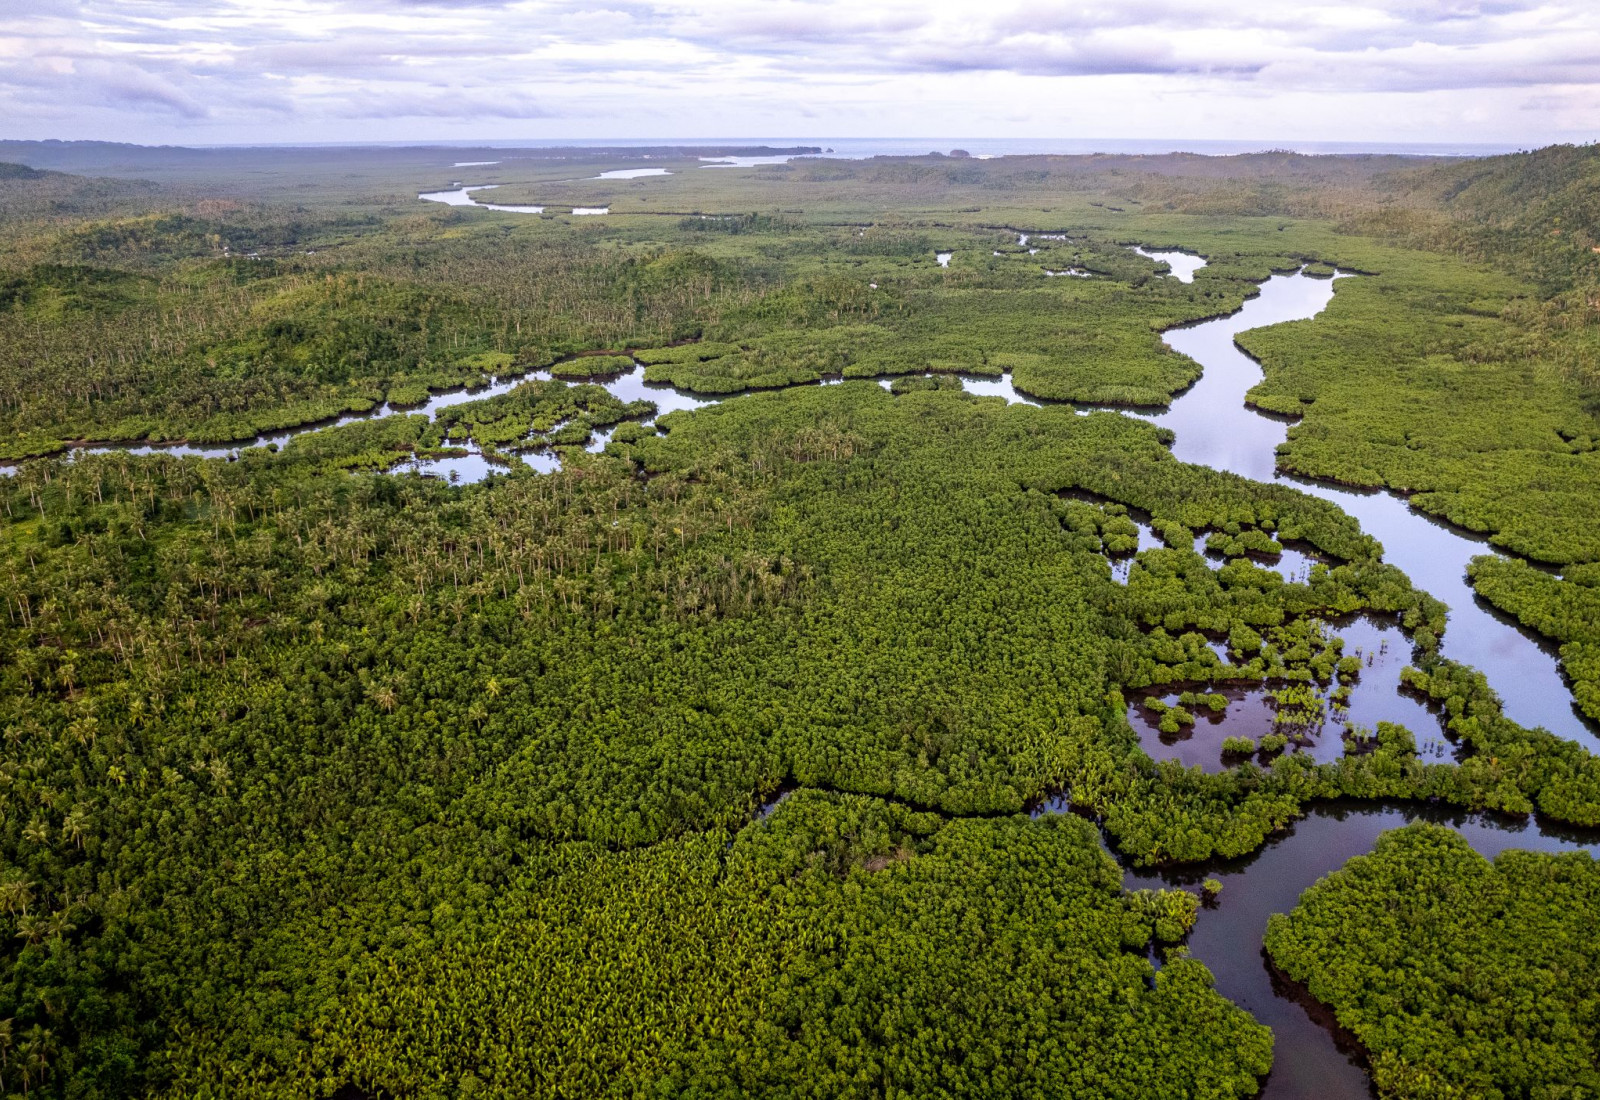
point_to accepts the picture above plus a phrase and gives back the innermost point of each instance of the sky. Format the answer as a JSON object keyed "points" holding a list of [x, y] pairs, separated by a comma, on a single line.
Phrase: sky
{"points": [[1522, 72]]}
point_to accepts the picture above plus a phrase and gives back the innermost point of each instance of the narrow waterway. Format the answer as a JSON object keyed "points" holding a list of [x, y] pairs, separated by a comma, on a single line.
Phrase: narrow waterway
{"points": [[1312, 1059], [1215, 428], [1375, 695], [626, 386], [462, 196]]}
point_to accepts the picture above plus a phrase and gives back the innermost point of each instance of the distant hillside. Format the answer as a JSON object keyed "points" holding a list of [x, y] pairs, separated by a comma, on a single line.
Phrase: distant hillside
{"points": [[1537, 213], [31, 200]]}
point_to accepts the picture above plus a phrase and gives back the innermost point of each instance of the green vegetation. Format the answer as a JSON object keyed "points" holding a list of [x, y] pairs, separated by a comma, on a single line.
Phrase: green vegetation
{"points": [[1565, 609], [810, 957], [1214, 701], [1422, 379], [317, 775], [835, 587], [1461, 977]]}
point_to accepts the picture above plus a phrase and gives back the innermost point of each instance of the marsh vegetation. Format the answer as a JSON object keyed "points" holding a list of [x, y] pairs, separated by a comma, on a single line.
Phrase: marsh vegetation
{"points": [[322, 775]]}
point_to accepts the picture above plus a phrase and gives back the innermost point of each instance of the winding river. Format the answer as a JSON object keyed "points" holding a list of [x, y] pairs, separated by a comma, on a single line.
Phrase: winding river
{"points": [[1214, 427], [1312, 1059]]}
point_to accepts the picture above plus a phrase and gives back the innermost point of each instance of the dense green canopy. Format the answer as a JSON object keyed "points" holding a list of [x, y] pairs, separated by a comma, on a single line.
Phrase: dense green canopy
{"points": [[1462, 977], [701, 766]]}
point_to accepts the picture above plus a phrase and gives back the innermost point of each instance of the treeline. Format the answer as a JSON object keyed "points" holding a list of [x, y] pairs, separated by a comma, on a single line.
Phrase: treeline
{"points": [[1459, 976], [1565, 609], [1533, 212], [276, 734], [238, 346]]}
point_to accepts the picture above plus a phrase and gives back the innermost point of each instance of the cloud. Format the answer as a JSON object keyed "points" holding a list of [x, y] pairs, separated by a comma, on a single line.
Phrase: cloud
{"points": [[331, 63], [118, 84], [444, 103], [1094, 54], [98, 83]]}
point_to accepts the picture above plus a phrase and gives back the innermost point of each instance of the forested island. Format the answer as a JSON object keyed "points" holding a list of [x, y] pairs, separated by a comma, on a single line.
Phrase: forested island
{"points": [[689, 650]]}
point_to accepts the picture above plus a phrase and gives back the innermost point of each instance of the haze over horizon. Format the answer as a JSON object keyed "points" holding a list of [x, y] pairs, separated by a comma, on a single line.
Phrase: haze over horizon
{"points": [[1500, 72]]}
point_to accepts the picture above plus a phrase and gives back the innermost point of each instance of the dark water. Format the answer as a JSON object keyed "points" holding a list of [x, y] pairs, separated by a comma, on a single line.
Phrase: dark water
{"points": [[1309, 1063], [1375, 696], [1215, 428]]}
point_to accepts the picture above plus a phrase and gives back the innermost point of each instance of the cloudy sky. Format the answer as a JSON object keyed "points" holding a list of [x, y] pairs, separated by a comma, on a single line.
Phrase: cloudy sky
{"points": [[213, 71]]}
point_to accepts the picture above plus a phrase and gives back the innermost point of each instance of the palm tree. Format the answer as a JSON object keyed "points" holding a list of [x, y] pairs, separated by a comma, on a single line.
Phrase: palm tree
{"points": [[30, 928], [384, 695], [34, 1056], [5, 1047], [60, 923], [76, 824], [15, 895]]}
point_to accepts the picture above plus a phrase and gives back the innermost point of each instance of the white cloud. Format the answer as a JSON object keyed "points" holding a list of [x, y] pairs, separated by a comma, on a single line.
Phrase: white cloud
{"points": [[378, 69]]}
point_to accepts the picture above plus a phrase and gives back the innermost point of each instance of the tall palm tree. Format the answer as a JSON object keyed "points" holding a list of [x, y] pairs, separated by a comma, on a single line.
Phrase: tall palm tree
{"points": [[33, 1056], [15, 895], [5, 1048]]}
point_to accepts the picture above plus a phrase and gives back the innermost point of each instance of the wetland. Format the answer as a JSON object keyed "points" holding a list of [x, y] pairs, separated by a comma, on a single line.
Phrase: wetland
{"points": [[941, 659]]}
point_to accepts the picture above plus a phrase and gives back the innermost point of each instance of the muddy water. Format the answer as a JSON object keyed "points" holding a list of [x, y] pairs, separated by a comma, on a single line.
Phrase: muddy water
{"points": [[1312, 1061]]}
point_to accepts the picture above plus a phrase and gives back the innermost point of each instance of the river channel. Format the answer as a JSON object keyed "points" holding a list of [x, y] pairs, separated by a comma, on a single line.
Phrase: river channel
{"points": [[1214, 427], [1312, 1059]]}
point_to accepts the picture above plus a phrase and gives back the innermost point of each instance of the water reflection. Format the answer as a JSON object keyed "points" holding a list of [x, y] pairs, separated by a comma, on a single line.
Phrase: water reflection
{"points": [[744, 161], [1002, 387], [1215, 428], [1122, 564], [1375, 695], [1309, 1064], [462, 196], [456, 469], [626, 386], [1292, 565], [1183, 264]]}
